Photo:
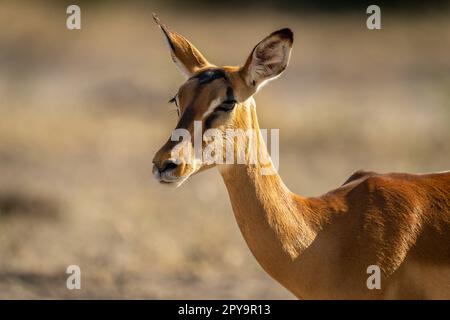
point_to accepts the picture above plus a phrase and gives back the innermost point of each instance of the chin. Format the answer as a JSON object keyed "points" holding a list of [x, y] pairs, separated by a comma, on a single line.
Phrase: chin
{"points": [[168, 179]]}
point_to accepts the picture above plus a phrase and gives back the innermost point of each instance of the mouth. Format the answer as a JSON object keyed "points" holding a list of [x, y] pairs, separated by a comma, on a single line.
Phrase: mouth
{"points": [[164, 177], [167, 177]]}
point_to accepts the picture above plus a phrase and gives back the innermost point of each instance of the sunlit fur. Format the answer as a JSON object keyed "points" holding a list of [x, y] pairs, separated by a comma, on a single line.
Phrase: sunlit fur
{"points": [[320, 247]]}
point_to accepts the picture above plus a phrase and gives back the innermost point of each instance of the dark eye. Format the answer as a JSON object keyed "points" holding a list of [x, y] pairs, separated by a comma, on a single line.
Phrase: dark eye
{"points": [[226, 106]]}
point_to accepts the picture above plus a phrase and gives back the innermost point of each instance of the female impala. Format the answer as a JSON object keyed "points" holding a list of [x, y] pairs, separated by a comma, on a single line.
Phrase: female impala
{"points": [[318, 247]]}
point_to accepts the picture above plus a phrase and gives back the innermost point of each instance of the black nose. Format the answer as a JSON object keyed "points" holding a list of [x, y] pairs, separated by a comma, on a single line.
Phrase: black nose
{"points": [[167, 165]]}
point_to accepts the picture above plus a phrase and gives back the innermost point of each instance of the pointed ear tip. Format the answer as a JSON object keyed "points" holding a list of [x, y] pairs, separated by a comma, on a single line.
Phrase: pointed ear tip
{"points": [[285, 33], [156, 19]]}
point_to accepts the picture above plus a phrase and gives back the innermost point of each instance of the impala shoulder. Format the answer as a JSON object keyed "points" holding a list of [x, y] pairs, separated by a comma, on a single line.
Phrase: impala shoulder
{"points": [[375, 183], [365, 189]]}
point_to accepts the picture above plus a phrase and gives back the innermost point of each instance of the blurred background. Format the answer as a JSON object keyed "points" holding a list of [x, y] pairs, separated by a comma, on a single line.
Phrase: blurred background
{"points": [[82, 112]]}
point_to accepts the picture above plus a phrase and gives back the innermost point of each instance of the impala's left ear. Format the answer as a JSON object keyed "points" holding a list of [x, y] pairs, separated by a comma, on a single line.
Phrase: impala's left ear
{"points": [[268, 59], [187, 58]]}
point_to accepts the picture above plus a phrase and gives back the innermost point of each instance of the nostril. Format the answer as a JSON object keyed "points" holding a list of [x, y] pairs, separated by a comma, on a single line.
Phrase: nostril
{"points": [[168, 165]]}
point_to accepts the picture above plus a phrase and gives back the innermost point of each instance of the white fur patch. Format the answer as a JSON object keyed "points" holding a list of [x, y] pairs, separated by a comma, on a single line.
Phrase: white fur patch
{"points": [[211, 107]]}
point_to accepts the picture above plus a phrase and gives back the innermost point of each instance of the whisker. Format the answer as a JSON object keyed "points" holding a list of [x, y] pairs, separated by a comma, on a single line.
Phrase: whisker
{"points": [[174, 110]]}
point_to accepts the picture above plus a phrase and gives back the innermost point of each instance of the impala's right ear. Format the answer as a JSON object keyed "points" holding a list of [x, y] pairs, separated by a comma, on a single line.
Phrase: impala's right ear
{"points": [[186, 57], [268, 59]]}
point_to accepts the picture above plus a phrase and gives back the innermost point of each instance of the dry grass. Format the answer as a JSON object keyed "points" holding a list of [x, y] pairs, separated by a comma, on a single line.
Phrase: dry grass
{"points": [[81, 114]]}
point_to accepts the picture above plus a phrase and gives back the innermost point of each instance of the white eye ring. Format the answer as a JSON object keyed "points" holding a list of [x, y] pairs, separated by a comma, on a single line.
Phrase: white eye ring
{"points": [[211, 107]]}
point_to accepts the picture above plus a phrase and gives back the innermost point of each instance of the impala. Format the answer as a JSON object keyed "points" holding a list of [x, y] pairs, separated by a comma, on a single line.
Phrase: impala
{"points": [[318, 247]]}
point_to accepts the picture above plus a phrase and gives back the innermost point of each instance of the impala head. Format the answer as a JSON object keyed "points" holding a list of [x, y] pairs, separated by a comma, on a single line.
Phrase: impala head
{"points": [[215, 97]]}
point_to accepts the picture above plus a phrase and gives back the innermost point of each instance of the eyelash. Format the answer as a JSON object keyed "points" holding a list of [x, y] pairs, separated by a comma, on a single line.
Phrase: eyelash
{"points": [[174, 100]]}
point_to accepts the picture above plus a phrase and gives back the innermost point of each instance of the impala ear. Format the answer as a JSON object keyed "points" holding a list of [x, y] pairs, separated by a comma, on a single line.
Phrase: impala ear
{"points": [[186, 57], [268, 59]]}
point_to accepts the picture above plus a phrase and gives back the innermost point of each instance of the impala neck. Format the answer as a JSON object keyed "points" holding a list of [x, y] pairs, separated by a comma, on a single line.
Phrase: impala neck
{"points": [[273, 220]]}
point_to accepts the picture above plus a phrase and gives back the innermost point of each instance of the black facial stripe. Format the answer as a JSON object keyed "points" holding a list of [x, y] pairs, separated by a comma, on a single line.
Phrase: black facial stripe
{"points": [[230, 94], [230, 99], [214, 115], [210, 119], [188, 115], [186, 118], [210, 75], [206, 77]]}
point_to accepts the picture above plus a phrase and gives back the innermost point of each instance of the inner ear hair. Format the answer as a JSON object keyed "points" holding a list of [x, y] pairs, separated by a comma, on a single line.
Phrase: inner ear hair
{"points": [[269, 58]]}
